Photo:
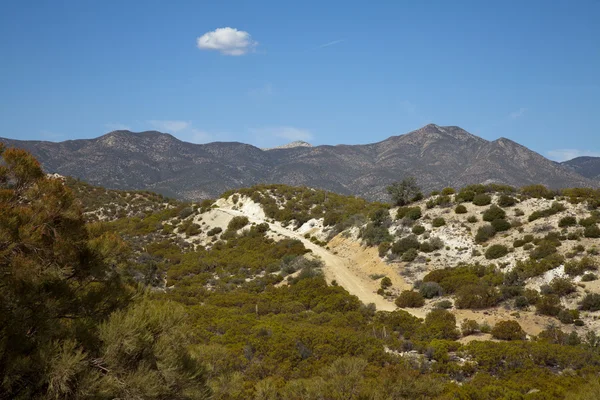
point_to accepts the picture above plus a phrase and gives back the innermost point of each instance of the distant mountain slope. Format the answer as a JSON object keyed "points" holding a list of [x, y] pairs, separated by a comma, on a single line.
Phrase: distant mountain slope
{"points": [[437, 156], [585, 166]]}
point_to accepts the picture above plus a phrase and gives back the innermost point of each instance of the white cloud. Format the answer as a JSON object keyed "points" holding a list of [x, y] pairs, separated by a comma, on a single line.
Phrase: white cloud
{"points": [[517, 114], [285, 132], [334, 42], [569, 154], [117, 127], [227, 41], [169, 126], [199, 136]]}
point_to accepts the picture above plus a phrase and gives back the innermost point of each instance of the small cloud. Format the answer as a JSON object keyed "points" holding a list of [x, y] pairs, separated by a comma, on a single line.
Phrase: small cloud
{"points": [[517, 114], [227, 41], [285, 132], [117, 127], [332, 43], [169, 126], [199, 136], [569, 154]]}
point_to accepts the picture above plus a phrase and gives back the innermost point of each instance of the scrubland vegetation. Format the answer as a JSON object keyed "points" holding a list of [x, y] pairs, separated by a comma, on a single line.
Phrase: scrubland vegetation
{"points": [[134, 308]]}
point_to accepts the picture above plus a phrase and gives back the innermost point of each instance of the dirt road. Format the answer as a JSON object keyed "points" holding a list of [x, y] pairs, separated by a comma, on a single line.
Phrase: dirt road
{"points": [[336, 268]]}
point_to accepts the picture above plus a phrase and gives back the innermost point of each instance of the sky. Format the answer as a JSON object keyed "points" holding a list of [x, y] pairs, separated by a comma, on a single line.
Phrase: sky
{"points": [[326, 72]]}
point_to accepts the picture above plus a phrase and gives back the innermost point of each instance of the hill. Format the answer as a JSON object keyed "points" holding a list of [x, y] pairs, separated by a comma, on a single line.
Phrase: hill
{"points": [[292, 292], [585, 166], [438, 156]]}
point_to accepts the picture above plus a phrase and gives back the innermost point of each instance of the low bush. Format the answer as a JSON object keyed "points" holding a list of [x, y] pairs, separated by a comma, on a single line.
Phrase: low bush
{"points": [[542, 250], [485, 233], [548, 305], [430, 290], [472, 219], [409, 255], [386, 282], [410, 299], [214, 231], [404, 244], [496, 251], [567, 221], [477, 296], [508, 330], [506, 201], [469, 327], [482, 200], [591, 302], [592, 231], [418, 229], [237, 223], [501, 225], [413, 213], [460, 209], [493, 213], [437, 222]]}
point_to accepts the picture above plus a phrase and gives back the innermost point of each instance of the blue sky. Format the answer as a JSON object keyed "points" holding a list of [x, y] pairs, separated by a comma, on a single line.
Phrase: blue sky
{"points": [[327, 72]]}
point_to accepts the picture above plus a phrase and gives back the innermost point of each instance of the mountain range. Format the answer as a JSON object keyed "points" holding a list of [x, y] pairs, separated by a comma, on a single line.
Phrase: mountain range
{"points": [[438, 156]]}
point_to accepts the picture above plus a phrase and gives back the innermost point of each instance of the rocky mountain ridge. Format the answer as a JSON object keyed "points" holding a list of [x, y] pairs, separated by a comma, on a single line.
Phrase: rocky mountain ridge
{"points": [[438, 156]]}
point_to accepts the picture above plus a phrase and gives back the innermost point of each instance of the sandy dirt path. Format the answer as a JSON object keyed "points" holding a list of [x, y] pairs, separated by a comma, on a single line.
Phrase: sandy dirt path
{"points": [[336, 268]]}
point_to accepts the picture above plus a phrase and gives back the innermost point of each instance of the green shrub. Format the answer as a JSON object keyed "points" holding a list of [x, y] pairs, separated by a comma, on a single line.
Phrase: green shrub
{"points": [[542, 250], [537, 191], [410, 299], [469, 327], [508, 330], [418, 229], [477, 296], [472, 219], [386, 282], [482, 200], [567, 221], [592, 231], [237, 223], [448, 191], [430, 290], [214, 231], [409, 255], [404, 244], [413, 213], [493, 213], [185, 212], [548, 305], [465, 195], [437, 222], [373, 235], [591, 302], [460, 209], [566, 316], [554, 209], [485, 233], [501, 225], [444, 304], [589, 277], [439, 324], [506, 201], [521, 302], [496, 251], [383, 248], [562, 286]]}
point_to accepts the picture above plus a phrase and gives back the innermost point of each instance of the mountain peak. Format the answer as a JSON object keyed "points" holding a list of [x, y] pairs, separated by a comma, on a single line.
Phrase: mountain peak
{"points": [[291, 145]]}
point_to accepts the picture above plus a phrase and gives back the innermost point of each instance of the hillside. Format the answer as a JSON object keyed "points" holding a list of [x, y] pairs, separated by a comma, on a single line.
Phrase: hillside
{"points": [[291, 292], [438, 156], [585, 166]]}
